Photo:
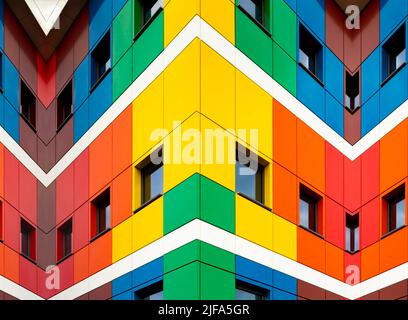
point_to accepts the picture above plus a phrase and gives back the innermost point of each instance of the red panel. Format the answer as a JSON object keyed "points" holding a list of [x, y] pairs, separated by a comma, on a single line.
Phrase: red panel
{"points": [[81, 227], [352, 268], [46, 79], [28, 274], [11, 227], [370, 172], [65, 194], [370, 223], [352, 184], [334, 174], [334, 28], [28, 195], [335, 223], [11, 173], [370, 24], [352, 48], [81, 179], [65, 61]]}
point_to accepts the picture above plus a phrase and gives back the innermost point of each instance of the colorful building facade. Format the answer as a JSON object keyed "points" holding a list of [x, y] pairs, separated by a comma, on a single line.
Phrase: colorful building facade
{"points": [[87, 108]]}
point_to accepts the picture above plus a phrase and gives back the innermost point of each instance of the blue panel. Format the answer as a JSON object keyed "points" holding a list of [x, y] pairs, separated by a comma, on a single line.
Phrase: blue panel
{"points": [[370, 75], [310, 93], [284, 282], [1, 110], [11, 83], [282, 295], [258, 284], [11, 121], [146, 273], [100, 16], [370, 114], [393, 93], [117, 5], [312, 12], [122, 284], [81, 121], [334, 77], [2, 24], [100, 99], [391, 14], [126, 296], [81, 83], [292, 4], [334, 114], [252, 270]]}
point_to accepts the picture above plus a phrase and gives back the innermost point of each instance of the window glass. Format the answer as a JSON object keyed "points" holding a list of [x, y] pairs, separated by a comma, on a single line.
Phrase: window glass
{"points": [[254, 8]]}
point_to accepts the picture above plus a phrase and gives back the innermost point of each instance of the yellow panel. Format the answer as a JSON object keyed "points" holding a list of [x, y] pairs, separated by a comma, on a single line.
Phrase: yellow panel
{"points": [[253, 222], [177, 14], [218, 154], [254, 111], [122, 240], [284, 237], [220, 14], [147, 225], [182, 152], [268, 185], [182, 86], [218, 88], [147, 117]]}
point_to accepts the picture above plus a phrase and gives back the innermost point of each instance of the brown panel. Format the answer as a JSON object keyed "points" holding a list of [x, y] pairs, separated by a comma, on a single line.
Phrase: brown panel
{"points": [[11, 36], [9, 297], [395, 291], [28, 62], [83, 297], [46, 252], [334, 28], [28, 139], [310, 292], [333, 296], [352, 126], [46, 155], [81, 30], [352, 48], [46, 215], [65, 139], [371, 296], [65, 61], [46, 120], [101, 293], [370, 24]]}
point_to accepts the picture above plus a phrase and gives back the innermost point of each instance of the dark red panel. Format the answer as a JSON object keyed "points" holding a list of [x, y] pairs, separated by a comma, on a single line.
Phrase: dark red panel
{"points": [[46, 248], [81, 179], [11, 173], [394, 292], [47, 121], [334, 223], [46, 81], [81, 227], [11, 227], [334, 174], [28, 194], [371, 296], [370, 167], [101, 293], [310, 292], [65, 194], [352, 126], [46, 155], [12, 34], [46, 206], [28, 274], [65, 61], [334, 28], [352, 184], [370, 223], [64, 139], [370, 28], [352, 48], [28, 139], [81, 31], [28, 62]]}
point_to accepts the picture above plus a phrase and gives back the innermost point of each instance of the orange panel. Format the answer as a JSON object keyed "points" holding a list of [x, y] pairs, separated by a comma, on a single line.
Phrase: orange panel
{"points": [[122, 142], [284, 193], [394, 250], [100, 253], [393, 158], [100, 160], [122, 197], [311, 156], [81, 264], [11, 265], [1, 259], [334, 262], [284, 137], [311, 250], [370, 261]]}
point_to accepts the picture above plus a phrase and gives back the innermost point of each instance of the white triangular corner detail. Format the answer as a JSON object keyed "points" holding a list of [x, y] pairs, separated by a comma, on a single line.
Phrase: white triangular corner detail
{"points": [[46, 12]]}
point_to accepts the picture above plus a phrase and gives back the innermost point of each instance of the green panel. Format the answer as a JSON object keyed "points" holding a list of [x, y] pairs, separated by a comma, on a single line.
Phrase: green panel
{"points": [[253, 41], [217, 284], [182, 256], [183, 283], [149, 45], [122, 75], [122, 32], [217, 257], [182, 204], [284, 69], [284, 27], [217, 205]]}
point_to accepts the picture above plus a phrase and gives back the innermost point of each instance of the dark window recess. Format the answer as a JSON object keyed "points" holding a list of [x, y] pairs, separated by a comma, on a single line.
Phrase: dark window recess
{"points": [[249, 174], [395, 210], [101, 60], [255, 9], [152, 176], [145, 10], [64, 248], [394, 53], [310, 210], [310, 53], [64, 105], [153, 292], [352, 232], [101, 214], [246, 291], [28, 246], [352, 97], [28, 105]]}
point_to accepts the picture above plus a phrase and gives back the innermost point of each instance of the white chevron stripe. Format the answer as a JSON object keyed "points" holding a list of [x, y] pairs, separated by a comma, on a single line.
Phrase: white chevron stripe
{"points": [[46, 12]]}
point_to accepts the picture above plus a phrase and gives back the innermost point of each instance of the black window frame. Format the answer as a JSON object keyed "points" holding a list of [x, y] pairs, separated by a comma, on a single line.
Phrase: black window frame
{"points": [[392, 48], [352, 232], [28, 105], [28, 247], [260, 293], [392, 200], [352, 91], [64, 102], [101, 219], [259, 20], [148, 291], [144, 21], [312, 48], [100, 65], [65, 231], [313, 200]]}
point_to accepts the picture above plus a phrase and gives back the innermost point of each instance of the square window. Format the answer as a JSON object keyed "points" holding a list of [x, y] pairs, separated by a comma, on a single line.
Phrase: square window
{"points": [[64, 235], [352, 98], [28, 105], [310, 53], [255, 9], [246, 291], [64, 105], [28, 239], [395, 210], [145, 11], [151, 170], [352, 233], [310, 210], [153, 292], [101, 60], [101, 214], [249, 174], [394, 53]]}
